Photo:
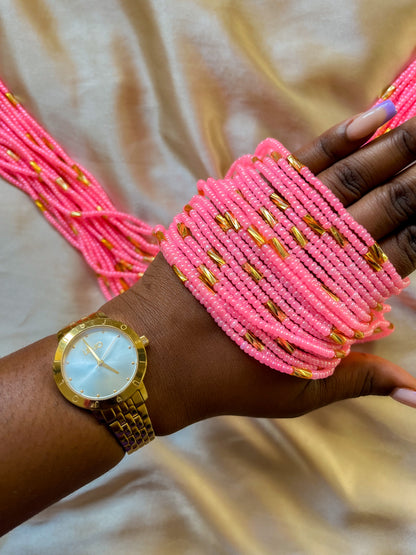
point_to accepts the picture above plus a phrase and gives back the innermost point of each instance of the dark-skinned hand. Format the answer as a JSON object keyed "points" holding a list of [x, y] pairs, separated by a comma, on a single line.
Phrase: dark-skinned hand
{"points": [[196, 371]]}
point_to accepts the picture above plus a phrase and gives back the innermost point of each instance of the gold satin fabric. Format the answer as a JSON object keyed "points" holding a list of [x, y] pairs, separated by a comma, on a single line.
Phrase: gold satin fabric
{"points": [[150, 96]]}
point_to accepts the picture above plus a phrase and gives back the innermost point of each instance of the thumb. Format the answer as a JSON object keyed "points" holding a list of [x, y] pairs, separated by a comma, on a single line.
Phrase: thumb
{"points": [[362, 374]]}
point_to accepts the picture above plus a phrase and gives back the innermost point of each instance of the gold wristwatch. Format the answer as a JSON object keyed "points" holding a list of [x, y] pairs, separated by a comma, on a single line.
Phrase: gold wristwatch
{"points": [[99, 365]]}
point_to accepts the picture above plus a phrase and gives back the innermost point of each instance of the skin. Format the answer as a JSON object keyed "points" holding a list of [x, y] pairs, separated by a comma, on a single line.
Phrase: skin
{"points": [[49, 448]]}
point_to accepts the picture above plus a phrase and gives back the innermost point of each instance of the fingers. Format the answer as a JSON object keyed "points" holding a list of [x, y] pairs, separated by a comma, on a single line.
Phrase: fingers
{"points": [[351, 178], [400, 247], [393, 204], [344, 138], [361, 374]]}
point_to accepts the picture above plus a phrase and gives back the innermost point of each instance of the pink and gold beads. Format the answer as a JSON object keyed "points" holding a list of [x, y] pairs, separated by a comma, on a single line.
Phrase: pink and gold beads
{"points": [[280, 265]]}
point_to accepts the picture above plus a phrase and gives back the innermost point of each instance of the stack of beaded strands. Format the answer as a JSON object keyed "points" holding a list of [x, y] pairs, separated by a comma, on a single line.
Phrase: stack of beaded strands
{"points": [[269, 251]]}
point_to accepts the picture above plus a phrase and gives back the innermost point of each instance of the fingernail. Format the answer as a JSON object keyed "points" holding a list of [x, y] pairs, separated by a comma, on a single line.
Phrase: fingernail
{"points": [[405, 396], [369, 121]]}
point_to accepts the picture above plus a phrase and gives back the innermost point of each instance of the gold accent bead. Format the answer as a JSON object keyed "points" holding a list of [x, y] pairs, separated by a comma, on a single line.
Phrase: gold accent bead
{"points": [[180, 274], [275, 310], [279, 201], [240, 193], [13, 155], [160, 236], [31, 138], [124, 284], [313, 224], [285, 345], [337, 337], [386, 130], [80, 175], [216, 257], [278, 247], [40, 205], [107, 243], [62, 183], [48, 143], [12, 99], [187, 208], [330, 293], [251, 270], [298, 236], [358, 334], [122, 265], [183, 230], [254, 341], [339, 238], [379, 307], [340, 354], [377, 330], [35, 166], [235, 224], [76, 214], [255, 159], [387, 92], [275, 155], [391, 326], [301, 373], [375, 257], [256, 235], [227, 222], [222, 222], [295, 163], [267, 216], [74, 229], [207, 277]]}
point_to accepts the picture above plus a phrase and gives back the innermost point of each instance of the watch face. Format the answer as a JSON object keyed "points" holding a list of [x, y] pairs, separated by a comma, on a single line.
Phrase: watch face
{"points": [[98, 362]]}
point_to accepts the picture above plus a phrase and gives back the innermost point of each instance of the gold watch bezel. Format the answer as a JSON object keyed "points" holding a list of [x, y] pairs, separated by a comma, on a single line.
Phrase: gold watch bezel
{"points": [[94, 404]]}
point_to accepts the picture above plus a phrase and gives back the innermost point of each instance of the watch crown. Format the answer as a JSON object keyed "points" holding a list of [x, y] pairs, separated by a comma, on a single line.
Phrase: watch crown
{"points": [[144, 340]]}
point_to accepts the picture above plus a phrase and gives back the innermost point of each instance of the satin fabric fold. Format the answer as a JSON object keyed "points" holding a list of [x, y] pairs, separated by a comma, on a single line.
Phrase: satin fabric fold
{"points": [[150, 96]]}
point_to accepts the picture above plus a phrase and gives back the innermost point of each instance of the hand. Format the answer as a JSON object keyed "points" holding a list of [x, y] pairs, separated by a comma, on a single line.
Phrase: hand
{"points": [[205, 373]]}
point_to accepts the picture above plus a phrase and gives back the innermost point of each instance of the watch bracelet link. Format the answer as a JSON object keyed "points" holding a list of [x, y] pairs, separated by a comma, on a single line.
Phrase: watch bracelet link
{"points": [[129, 421]]}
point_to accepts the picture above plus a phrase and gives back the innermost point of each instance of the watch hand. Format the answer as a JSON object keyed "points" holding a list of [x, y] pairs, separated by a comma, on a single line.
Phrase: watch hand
{"points": [[108, 367], [107, 351], [94, 354]]}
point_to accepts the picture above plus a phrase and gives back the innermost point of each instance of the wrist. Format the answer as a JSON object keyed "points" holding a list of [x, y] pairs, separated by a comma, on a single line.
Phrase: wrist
{"points": [[161, 309]]}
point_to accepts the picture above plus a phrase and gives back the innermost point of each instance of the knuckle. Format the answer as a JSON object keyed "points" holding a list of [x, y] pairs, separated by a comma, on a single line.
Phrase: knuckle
{"points": [[349, 181], [402, 197], [406, 242], [405, 142], [325, 145]]}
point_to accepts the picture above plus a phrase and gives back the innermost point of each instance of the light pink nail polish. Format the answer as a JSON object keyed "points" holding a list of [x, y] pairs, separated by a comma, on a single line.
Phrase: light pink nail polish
{"points": [[405, 396], [367, 123]]}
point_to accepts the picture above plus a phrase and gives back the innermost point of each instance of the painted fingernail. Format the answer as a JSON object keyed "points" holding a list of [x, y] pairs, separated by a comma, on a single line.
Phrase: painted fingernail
{"points": [[405, 396], [367, 122]]}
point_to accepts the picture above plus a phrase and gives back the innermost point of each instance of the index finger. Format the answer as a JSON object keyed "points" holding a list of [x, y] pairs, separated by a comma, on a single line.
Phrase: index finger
{"points": [[344, 138]]}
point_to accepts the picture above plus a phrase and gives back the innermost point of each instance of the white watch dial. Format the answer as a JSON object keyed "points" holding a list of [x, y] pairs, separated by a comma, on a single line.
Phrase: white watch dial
{"points": [[100, 362]]}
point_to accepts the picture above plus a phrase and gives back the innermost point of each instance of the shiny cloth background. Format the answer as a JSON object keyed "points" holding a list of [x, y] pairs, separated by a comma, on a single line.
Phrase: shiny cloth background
{"points": [[150, 96]]}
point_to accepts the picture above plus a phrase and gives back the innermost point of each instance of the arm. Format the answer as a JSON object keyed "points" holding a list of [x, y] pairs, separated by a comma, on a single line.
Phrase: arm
{"points": [[49, 448]]}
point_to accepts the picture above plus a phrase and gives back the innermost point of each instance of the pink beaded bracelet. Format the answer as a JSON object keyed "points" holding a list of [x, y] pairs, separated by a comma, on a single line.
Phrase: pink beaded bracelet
{"points": [[238, 258], [269, 251]]}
